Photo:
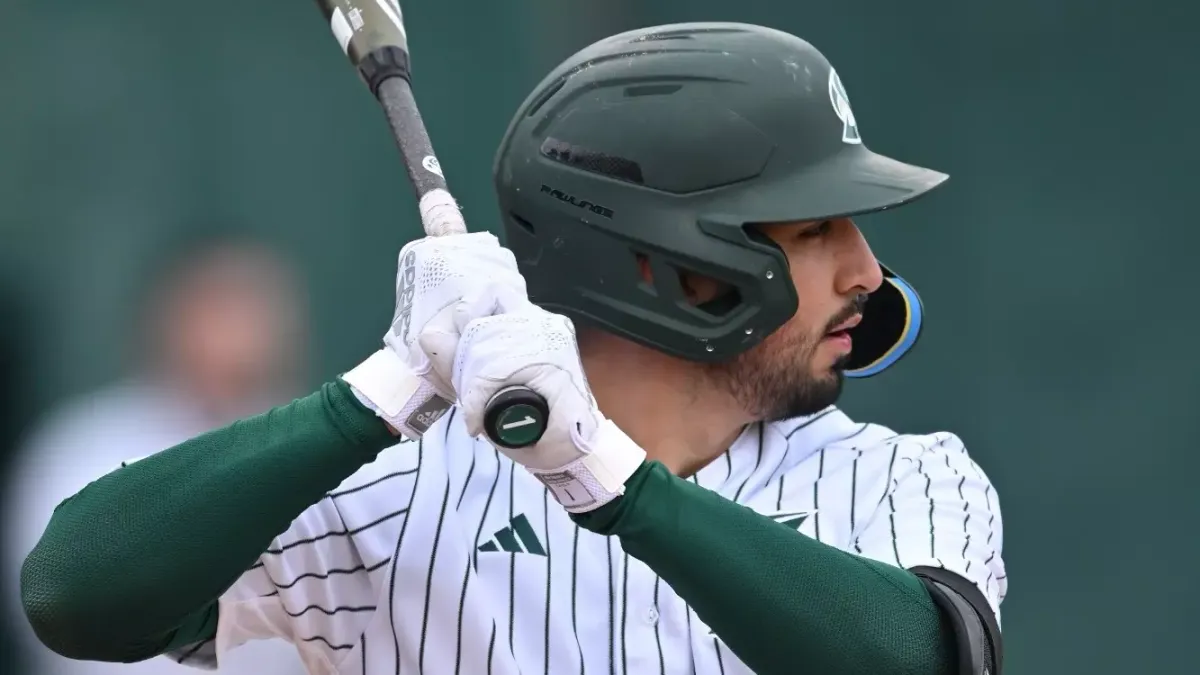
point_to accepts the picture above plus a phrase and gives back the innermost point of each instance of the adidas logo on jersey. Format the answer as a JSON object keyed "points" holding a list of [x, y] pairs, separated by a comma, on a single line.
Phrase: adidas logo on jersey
{"points": [[518, 537], [793, 519]]}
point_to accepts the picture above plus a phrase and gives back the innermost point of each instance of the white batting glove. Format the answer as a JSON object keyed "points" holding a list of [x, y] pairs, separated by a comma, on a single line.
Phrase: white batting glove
{"points": [[583, 457], [470, 274]]}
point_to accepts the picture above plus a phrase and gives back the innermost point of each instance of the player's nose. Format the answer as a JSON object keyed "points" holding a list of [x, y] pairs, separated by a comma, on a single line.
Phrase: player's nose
{"points": [[858, 270]]}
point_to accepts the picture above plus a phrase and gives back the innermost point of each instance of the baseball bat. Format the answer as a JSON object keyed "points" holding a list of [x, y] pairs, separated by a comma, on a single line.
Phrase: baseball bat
{"points": [[372, 35]]}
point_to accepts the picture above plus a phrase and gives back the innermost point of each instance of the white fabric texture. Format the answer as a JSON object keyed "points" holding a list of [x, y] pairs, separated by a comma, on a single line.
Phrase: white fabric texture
{"points": [[436, 276], [583, 458], [440, 215], [405, 567], [408, 402]]}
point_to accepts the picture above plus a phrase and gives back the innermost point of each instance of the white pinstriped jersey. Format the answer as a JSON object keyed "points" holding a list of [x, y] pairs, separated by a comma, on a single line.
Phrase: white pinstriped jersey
{"points": [[443, 557]]}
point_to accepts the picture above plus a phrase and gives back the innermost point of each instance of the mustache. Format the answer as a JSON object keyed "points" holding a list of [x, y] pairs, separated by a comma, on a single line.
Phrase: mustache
{"points": [[852, 310]]}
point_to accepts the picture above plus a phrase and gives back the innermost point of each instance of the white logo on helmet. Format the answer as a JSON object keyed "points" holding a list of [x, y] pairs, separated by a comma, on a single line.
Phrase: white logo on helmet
{"points": [[841, 107]]}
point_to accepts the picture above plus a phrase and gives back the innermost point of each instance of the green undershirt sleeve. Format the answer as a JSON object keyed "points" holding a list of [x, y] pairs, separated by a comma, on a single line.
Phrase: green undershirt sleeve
{"points": [[132, 565], [783, 602]]}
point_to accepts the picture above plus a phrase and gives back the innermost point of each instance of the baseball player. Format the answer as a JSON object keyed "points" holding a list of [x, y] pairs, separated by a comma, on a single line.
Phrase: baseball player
{"points": [[684, 286]]}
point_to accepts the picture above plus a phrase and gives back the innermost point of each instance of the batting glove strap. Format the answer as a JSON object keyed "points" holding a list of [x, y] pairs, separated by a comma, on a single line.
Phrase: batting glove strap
{"points": [[598, 477], [405, 400]]}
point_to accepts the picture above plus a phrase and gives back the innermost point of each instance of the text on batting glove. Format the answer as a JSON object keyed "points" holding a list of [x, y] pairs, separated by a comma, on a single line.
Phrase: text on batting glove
{"points": [[470, 274]]}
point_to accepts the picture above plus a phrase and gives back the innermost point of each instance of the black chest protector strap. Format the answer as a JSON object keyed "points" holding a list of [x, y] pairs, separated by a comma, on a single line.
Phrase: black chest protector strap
{"points": [[976, 630]]}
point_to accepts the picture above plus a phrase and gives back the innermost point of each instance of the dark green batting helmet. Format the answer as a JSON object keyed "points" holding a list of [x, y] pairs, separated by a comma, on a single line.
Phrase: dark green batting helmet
{"points": [[660, 146]]}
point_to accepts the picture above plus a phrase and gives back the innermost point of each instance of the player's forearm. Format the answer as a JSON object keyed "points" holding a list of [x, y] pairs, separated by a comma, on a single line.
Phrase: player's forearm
{"points": [[779, 600], [139, 554]]}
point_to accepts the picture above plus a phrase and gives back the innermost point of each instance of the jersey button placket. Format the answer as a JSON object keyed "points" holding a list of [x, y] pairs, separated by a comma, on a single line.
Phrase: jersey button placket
{"points": [[652, 616]]}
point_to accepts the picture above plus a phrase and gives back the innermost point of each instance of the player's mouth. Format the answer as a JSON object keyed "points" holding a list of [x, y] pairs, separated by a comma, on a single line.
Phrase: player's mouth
{"points": [[840, 335]]}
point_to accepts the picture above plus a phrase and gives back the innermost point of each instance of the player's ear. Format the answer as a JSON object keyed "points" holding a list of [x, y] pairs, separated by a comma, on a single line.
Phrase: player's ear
{"points": [[644, 270], [700, 290]]}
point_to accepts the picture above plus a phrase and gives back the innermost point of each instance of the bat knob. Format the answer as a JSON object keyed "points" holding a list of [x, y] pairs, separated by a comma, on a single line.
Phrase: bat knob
{"points": [[516, 417]]}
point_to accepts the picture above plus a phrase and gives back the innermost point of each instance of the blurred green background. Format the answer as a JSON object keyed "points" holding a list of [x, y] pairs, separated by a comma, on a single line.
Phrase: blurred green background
{"points": [[1055, 266]]}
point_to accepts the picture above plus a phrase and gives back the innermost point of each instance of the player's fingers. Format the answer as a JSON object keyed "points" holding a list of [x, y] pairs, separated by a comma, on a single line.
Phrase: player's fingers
{"points": [[489, 300], [511, 298], [439, 343]]}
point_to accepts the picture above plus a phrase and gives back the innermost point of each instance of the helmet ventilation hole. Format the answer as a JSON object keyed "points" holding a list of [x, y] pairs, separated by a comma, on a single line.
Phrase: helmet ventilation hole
{"points": [[546, 96], [652, 90], [525, 224], [593, 161]]}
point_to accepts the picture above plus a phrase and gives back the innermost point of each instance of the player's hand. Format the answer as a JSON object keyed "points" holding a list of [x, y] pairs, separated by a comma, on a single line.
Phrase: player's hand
{"points": [[439, 280], [582, 457]]}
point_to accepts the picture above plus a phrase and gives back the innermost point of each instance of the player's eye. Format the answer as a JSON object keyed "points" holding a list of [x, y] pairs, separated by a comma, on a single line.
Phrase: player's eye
{"points": [[818, 230]]}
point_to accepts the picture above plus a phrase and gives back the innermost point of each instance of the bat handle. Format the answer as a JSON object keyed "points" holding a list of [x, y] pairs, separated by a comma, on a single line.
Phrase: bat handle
{"points": [[516, 417]]}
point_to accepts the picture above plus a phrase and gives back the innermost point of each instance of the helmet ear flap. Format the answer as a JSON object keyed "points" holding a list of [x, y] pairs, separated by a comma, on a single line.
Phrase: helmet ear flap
{"points": [[890, 327]]}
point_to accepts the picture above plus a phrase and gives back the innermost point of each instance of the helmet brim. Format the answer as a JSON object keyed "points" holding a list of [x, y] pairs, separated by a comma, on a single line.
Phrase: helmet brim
{"points": [[853, 182]]}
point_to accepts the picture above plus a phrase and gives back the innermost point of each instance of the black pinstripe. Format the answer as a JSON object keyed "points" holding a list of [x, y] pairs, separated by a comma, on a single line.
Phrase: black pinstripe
{"points": [[987, 495], [624, 612], [512, 559], [462, 604], [808, 423], [549, 569], [962, 480], [817, 496], [348, 609], [612, 613], [364, 486], [720, 661], [895, 543], [574, 598], [891, 475], [757, 463], [195, 648], [396, 556], [854, 495], [478, 533], [462, 598], [487, 506], [437, 537], [332, 573], [662, 664], [347, 532], [928, 485], [318, 638], [491, 648]]}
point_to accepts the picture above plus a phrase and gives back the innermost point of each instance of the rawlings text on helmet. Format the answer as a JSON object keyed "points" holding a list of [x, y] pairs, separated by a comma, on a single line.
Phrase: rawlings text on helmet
{"points": [[580, 203]]}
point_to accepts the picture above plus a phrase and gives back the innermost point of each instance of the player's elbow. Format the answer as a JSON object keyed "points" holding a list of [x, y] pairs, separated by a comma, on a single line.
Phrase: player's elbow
{"points": [[58, 613], [48, 608]]}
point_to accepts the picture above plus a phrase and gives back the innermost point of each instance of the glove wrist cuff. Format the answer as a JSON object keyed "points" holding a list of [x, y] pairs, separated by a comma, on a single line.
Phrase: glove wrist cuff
{"points": [[397, 394], [598, 477]]}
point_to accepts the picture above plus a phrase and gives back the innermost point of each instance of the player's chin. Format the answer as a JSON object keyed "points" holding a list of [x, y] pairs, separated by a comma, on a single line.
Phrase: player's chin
{"points": [[831, 377], [831, 358], [834, 376], [827, 370]]}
